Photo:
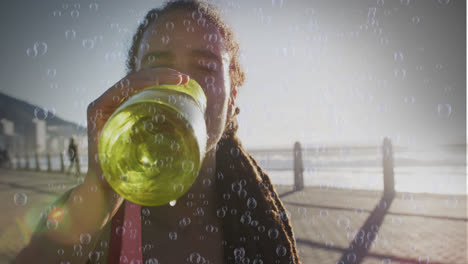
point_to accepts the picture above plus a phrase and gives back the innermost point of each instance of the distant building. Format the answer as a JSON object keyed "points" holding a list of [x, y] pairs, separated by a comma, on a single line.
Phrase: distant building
{"points": [[27, 128]]}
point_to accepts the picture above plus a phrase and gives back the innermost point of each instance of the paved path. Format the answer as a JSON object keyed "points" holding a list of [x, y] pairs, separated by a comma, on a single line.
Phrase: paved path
{"points": [[331, 225]]}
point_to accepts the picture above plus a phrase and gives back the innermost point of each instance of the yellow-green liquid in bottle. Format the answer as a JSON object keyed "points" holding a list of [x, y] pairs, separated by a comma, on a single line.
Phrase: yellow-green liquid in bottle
{"points": [[152, 147]]}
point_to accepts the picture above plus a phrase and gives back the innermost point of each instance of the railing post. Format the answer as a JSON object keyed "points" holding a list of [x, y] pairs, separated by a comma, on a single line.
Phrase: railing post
{"points": [[49, 164], [26, 166], [62, 164], [298, 167], [18, 161], [10, 161], [38, 165], [387, 162]]}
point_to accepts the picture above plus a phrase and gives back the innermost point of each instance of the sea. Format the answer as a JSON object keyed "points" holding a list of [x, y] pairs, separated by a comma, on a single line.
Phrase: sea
{"points": [[440, 170]]}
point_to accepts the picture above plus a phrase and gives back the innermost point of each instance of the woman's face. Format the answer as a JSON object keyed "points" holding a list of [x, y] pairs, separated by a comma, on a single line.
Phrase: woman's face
{"points": [[175, 40]]}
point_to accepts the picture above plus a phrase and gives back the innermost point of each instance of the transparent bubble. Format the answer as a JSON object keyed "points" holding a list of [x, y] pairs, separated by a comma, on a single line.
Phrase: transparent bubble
{"points": [[245, 219], [210, 37], [88, 43], [273, 233], [145, 212], [57, 13], [51, 73], [221, 212], [170, 26], [277, 3], [158, 138], [211, 229], [149, 126], [251, 203], [444, 2], [386, 261], [20, 199], [85, 239], [343, 221], [41, 113], [405, 2], [236, 186], [178, 188], [212, 66], [190, 29], [239, 252], [94, 256], [400, 73], [39, 48], [409, 99], [94, 7], [185, 221], [324, 213], [77, 199], [173, 235], [423, 260], [75, 13], [152, 261], [261, 228], [31, 52], [281, 250], [257, 261], [235, 152], [415, 20], [159, 118], [188, 165], [60, 252], [195, 258], [52, 224], [444, 110], [165, 39], [398, 56]]}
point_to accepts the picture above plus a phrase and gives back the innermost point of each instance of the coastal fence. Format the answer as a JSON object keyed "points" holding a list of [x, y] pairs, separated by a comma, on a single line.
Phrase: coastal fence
{"points": [[50, 162], [55, 162]]}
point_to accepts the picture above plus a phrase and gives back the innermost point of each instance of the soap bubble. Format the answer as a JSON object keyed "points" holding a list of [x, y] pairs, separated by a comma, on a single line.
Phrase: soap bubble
{"points": [[93, 7], [405, 2], [444, 110], [251, 203], [188, 165], [75, 13], [281, 250], [85, 239], [173, 235], [185, 221], [88, 43], [20, 199], [170, 26], [273, 233]]}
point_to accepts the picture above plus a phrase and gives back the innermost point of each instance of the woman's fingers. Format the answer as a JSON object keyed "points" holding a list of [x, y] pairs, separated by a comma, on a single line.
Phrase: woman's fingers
{"points": [[137, 81]]}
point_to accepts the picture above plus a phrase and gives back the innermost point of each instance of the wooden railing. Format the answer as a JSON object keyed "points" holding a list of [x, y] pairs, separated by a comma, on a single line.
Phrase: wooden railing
{"points": [[298, 166]]}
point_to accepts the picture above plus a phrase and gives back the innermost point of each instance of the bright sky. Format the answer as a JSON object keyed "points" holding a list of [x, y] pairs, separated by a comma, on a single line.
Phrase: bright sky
{"points": [[317, 71]]}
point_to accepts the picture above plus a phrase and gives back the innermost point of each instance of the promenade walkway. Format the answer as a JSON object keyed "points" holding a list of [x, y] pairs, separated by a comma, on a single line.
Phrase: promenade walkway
{"points": [[330, 225]]}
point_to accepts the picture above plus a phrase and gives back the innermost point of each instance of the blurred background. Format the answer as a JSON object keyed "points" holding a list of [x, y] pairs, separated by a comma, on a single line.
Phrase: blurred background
{"points": [[335, 76]]}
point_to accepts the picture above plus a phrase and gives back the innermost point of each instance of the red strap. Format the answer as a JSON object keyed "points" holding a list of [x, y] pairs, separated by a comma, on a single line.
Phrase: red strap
{"points": [[125, 244]]}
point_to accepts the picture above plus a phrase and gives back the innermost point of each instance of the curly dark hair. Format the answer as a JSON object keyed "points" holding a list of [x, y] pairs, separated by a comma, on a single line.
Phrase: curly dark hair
{"points": [[250, 242], [206, 12]]}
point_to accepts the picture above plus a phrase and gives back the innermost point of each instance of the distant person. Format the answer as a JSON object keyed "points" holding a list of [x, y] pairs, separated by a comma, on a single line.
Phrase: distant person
{"points": [[7, 158], [232, 212], [74, 157]]}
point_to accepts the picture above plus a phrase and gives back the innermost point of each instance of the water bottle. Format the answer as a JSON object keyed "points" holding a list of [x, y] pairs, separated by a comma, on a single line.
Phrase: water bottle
{"points": [[151, 148]]}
